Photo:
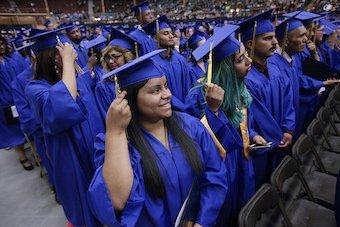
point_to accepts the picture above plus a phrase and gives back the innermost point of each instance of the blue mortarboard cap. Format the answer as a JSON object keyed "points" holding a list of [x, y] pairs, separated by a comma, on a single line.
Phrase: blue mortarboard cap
{"points": [[137, 70], [195, 38], [35, 32], [18, 40], [224, 44], [123, 40], [141, 7], [160, 23], [303, 15], [291, 22], [69, 27], [26, 46], [329, 27], [263, 25], [97, 43], [47, 40]]}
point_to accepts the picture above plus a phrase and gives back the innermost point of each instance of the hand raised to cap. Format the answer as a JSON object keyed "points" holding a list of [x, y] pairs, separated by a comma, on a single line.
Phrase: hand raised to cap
{"points": [[67, 52], [118, 115], [214, 96]]}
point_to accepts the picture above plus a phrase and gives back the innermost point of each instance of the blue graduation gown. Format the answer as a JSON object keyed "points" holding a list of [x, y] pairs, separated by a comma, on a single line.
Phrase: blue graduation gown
{"points": [[194, 103], [273, 114], [82, 54], [180, 76], [28, 122], [69, 128], [147, 44], [304, 89], [273, 108], [105, 94], [241, 176], [10, 134], [95, 76], [141, 209], [20, 63], [309, 87]]}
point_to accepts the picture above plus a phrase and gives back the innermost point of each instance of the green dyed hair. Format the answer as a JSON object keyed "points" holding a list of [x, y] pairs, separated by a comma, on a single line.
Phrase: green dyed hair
{"points": [[236, 95]]}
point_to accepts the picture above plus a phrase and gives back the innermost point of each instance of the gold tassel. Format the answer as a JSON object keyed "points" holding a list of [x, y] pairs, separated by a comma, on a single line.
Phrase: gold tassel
{"points": [[285, 37], [253, 41], [136, 49], [210, 61], [117, 87]]}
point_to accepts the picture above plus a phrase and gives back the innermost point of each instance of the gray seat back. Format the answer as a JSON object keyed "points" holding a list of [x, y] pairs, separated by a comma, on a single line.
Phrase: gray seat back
{"points": [[305, 153], [263, 209]]}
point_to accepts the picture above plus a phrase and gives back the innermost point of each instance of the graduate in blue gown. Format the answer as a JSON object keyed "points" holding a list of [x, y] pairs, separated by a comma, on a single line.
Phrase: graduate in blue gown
{"points": [[74, 34], [95, 46], [305, 89], [145, 181], [181, 77], [272, 106], [144, 16], [331, 55], [310, 93], [231, 119], [121, 49], [11, 64], [28, 122], [65, 107]]}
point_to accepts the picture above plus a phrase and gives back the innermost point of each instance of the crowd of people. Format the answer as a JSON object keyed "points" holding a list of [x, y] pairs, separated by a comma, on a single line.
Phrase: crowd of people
{"points": [[135, 126]]}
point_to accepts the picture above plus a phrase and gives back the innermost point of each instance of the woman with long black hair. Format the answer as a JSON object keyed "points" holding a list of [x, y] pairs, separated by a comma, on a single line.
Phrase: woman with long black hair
{"points": [[152, 156], [65, 107]]}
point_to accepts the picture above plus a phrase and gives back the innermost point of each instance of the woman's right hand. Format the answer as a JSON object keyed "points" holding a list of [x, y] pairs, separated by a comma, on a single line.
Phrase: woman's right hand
{"points": [[118, 115], [214, 96], [67, 52]]}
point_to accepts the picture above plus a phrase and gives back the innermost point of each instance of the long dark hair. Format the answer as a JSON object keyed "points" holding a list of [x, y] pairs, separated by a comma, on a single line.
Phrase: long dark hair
{"points": [[152, 178], [46, 66]]}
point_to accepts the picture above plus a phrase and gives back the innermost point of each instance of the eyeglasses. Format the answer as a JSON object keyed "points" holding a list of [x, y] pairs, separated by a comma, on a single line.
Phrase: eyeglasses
{"points": [[107, 58]]}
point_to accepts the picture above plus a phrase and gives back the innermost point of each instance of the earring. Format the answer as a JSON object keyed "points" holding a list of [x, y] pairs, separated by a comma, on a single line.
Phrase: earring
{"points": [[56, 69]]}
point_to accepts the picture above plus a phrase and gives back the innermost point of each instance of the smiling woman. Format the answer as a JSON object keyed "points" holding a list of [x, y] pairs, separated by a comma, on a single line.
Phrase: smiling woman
{"points": [[148, 160]]}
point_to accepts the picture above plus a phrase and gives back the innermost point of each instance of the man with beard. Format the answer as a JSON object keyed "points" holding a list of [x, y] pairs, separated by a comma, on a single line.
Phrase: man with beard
{"points": [[74, 34], [144, 16], [11, 64], [292, 36], [180, 76], [272, 106]]}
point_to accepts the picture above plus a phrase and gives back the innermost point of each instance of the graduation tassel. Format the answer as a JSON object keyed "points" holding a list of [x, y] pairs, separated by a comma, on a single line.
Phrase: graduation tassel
{"points": [[157, 24], [239, 39], [136, 49], [253, 41], [78, 69], [285, 37], [209, 73], [117, 87], [276, 22], [316, 28]]}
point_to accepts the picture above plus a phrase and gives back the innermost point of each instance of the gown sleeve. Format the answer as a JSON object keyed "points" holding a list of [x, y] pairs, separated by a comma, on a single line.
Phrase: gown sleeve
{"points": [[288, 123], [28, 122], [55, 106], [99, 197]]}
